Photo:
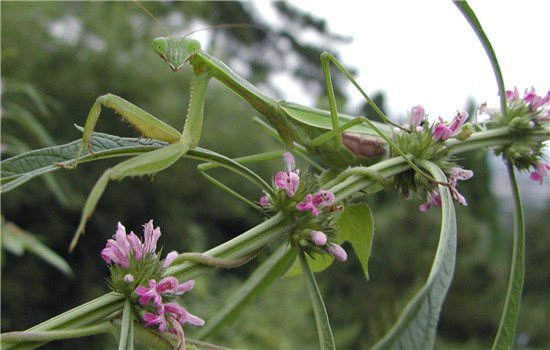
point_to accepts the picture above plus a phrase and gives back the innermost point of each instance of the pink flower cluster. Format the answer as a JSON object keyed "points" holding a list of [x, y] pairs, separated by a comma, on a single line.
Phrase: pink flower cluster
{"points": [[455, 174], [166, 313], [127, 248], [289, 181], [320, 240], [537, 104], [531, 98], [119, 249]]}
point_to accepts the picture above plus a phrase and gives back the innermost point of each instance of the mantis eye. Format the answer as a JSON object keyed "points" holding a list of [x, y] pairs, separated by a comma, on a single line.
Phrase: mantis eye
{"points": [[159, 45], [193, 46]]}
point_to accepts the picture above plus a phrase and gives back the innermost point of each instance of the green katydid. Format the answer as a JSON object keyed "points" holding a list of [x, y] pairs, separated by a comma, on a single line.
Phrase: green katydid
{"points": [[338, 139]]}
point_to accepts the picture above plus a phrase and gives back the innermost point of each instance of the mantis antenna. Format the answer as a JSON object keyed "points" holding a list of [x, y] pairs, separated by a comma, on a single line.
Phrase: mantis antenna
{"points": [[153, 17], [219, 26]]}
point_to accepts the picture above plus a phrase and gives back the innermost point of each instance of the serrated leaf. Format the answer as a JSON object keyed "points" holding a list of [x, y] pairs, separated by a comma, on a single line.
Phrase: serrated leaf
{"points": [[416, 326], [24, 167], [355, 225]]}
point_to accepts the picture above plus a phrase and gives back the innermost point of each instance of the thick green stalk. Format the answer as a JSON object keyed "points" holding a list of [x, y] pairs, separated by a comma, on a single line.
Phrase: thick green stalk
{"points": [[275, 227]]}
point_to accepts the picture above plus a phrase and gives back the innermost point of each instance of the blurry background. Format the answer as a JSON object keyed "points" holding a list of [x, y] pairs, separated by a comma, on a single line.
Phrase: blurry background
{"points": [[57, 57]]}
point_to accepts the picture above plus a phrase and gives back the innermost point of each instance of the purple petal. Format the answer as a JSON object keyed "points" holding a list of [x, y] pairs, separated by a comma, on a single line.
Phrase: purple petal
{"points": [[151, 237], [169, 258], [290, 164]]}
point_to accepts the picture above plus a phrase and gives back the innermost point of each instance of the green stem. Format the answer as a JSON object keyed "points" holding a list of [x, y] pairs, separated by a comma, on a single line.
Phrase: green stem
{"points": [[493, 138], [506, 331], [82, 315], [244, 244]]}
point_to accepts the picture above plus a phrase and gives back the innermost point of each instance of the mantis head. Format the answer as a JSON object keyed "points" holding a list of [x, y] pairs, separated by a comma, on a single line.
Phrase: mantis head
{"points": [[176, 50]]}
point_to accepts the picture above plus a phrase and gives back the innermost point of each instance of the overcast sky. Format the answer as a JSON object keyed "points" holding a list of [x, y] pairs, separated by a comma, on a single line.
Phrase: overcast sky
{"points": [[424, 52]]}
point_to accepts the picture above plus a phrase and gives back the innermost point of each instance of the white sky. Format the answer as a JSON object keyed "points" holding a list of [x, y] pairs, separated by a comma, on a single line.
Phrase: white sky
{"points": [[424, 52]]}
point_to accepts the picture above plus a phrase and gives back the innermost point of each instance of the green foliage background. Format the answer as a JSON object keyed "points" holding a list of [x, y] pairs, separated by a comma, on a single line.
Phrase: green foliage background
{"points": [[110, 52]]}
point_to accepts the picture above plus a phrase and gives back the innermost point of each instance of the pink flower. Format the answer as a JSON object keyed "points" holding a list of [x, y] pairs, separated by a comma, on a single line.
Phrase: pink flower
{"points": [[434, 198], [337, 252], [152, 319], [460, 173], [535, 100], [288, 180], [457, 196], [181, 315], [541, 171], [443, 132], [146, 294], [170, 285], [264, 200], [417, 115], [313, 202], [290, 164], [318, 237], [151, 237], [117, 250], [512, 96]]}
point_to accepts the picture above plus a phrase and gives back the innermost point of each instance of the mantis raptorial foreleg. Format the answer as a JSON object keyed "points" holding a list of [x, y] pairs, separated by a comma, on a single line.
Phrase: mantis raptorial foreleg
{"points": [[149, 126], [144, 122]]}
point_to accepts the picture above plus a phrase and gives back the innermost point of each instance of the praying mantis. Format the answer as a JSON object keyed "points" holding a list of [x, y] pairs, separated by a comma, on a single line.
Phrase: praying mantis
{"points": [[337, 139]]}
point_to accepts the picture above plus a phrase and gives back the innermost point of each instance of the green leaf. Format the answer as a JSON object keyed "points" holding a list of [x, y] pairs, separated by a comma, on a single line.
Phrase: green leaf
{"points": [[326, 339], [417, 324], [24, 167], [507, 328], [258, 281], [355, 225], [17, 240]]}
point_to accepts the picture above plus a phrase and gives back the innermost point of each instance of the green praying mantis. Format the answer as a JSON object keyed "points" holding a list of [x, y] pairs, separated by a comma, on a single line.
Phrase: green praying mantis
{"points": [[337, 139]]}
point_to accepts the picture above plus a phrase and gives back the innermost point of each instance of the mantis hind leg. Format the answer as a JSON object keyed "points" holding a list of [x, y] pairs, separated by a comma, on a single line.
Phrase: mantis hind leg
{"points": [[326, 59], [145, 164]]}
